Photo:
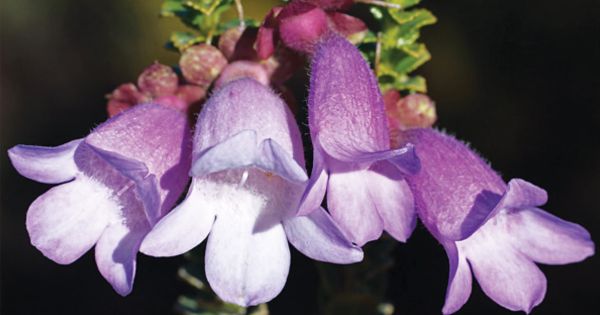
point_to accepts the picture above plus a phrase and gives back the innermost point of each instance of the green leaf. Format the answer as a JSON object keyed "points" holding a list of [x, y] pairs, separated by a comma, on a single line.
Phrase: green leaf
{"points": [[172, 7], [406, 32], [413, 19], [405, 3], [183, 40], [206, 7]]}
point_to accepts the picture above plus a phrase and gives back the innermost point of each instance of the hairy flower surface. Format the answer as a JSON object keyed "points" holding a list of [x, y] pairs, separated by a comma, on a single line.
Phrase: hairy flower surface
{"points": [[115, 184], [351, 149], [487, 227], [248, 177]]}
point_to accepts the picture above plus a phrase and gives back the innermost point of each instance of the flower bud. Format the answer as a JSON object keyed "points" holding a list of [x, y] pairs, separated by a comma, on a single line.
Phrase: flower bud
{"points": [[124, 96], [201, 64], [240, 69], [158, 80], [331, 4], [301, 25], [412, 111], [229, 40], [353, 28], [191, 93]]}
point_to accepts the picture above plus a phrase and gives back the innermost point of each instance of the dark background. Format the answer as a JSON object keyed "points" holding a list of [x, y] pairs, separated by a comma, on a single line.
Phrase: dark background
{"points": [[518, 79]]}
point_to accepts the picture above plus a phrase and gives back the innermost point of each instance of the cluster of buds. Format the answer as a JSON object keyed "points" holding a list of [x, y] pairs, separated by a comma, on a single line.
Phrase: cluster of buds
{"points": [[159, 84]]}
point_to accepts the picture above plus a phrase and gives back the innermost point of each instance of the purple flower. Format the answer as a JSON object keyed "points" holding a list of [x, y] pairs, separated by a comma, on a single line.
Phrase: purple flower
{"points": [[366, 192], [248, 177], [115, 184], [487, 227]]}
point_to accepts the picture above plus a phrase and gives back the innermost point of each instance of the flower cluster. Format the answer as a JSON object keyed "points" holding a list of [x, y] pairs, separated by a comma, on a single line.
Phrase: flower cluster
{"points": [[377, 163]]}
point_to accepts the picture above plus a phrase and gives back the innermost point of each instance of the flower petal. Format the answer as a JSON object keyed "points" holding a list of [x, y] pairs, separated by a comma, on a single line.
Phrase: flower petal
{"points": [[241, 150], [346, 110], [459, 280], [244, 266], [351, 205], [317, 185], [548, 239], [50, 165], [65, 222], [236, 152], [505, 275], [521, 194], [183, 228], [273, 158], [116, 253], [405, 158], [318, 237], [393, 200], [146, 184]]}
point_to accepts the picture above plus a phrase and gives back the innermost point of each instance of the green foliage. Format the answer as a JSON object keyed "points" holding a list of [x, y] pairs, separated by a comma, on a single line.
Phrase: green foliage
{"points": [[400, 53], [203, 17], [201, 300]]}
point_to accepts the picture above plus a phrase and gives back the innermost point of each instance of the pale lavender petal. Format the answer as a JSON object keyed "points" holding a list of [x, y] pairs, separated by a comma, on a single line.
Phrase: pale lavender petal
{"points": [[522, 194], [509, 278], [455, 191], [351, 205], [319, 238], [65, 222], [236, 152], [548, 239], [116, 253], [273, 158], [405, 158], [459, 280], [242, 150], [245, 266], [316, 186], [146, 184], [245, 104], [393, 200], [183, 228], [346, 111], [49, 165]]}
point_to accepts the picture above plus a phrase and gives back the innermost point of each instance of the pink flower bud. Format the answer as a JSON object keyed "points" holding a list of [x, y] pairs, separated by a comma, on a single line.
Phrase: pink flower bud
{"points": [[201, 64], [229, 40], [124, 96], [331, 4], [354, 29], [301, 25], [412, 111], [265, 39], [191, 93], [241, 69], [158, 80]]}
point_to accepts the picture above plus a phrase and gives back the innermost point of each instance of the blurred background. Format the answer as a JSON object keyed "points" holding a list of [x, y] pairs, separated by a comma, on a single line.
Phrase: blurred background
{"points": [[519, 80]]}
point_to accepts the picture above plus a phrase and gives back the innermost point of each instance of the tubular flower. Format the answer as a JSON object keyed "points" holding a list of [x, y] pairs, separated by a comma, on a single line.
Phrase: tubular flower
{"points": [[248, 177], [115, 184], [351, 149], [487, 227]]}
